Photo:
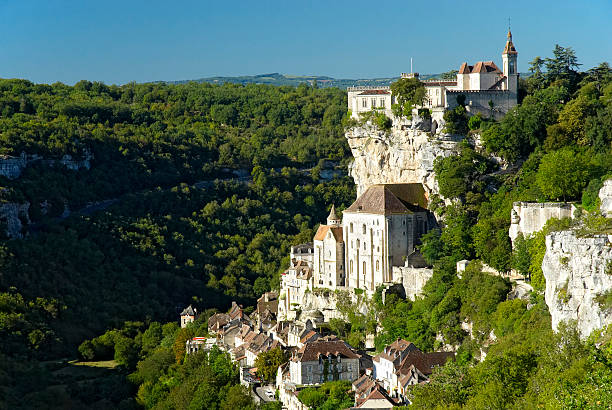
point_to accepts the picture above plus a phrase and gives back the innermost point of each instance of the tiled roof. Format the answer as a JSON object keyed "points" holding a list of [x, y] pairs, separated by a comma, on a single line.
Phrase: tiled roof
{"points": [[325, 347], [479, 67], [336, 232], [424, 362], [391, 199], [396, 351], [374, 92]]}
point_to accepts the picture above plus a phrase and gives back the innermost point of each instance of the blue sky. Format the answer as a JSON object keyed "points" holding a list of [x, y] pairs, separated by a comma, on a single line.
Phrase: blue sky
{"points": [[121, 41]]}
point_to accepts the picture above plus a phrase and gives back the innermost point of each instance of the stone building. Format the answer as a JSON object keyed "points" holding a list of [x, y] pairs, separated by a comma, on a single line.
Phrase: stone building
{"points": [[487, 89], [381, 229], [324, 359], [329, 253]]}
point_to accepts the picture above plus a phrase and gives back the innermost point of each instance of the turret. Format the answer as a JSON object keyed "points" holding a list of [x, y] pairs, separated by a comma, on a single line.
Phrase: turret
{"points": [[332, 218], [510, 68]]}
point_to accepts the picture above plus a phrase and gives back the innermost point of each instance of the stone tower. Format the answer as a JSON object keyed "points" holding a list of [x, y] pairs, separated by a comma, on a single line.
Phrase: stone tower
{"points": [[510, 67]]}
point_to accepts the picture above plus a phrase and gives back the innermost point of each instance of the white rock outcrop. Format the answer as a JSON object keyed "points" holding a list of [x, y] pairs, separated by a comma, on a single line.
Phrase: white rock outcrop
{"points": [[575, 269], [403, 155], [605, 198]]}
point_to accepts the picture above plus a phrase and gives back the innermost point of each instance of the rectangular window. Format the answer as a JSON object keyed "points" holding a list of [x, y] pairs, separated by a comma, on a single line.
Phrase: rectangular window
{"points": [[373, 102], [364, 103], [382, 102]]}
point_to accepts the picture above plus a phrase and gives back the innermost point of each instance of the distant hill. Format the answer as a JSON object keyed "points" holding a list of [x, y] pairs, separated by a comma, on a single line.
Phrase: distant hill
{"points": [[295, 80]]}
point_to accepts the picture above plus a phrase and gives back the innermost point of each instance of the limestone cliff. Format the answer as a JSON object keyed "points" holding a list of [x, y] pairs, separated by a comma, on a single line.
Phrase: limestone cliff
{"points": [[11, 217], [403, 155], [576, 273]]}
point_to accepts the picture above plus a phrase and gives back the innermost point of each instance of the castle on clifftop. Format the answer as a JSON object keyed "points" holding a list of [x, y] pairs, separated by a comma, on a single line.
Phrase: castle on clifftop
{"points": [[487, 89]]}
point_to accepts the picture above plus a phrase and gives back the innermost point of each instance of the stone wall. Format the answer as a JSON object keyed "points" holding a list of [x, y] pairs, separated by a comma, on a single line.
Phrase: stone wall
{"points": [[576, 272], [413, 279], [530, 217]]}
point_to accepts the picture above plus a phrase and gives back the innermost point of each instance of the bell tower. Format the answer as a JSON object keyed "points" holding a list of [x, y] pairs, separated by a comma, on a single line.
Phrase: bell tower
{"points": [[510, 67]]}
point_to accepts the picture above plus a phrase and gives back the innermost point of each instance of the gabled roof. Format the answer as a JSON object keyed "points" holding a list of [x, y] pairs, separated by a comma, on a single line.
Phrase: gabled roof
{"points": [[396, 351], [336, 232], [479, 67], [391, 199], [377, 393], [424, 362]]}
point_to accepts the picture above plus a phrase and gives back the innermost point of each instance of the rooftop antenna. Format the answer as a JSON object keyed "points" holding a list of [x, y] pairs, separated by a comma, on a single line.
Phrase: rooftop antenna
{"points": [[508, 23]]}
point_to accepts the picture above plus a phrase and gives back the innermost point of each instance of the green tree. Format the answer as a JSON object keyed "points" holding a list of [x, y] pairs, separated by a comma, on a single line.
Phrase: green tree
{"points": [[409, 93], [563, 174], [267, 363]]}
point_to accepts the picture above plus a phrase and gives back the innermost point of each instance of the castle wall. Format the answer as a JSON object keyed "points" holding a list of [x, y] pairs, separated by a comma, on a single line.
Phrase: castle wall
{"points": [[530, 217], [413, 279], [478, 101]]}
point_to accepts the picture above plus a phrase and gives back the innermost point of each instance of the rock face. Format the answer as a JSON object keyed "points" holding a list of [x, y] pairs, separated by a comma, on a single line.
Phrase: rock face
{"points": [[576, 273], [403, 155], [12, 167], [12, 217], [605, 197]]}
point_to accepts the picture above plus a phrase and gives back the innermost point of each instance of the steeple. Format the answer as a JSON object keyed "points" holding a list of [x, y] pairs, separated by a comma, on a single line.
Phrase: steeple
{"points": [[332, 218], [509, 49], [509, 64]]}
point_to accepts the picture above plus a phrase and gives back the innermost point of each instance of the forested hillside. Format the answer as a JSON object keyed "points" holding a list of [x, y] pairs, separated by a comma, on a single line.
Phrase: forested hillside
{"points": [[164, 242]]}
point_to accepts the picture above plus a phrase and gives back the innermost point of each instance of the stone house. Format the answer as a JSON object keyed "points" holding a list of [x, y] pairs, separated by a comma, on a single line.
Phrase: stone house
{"points": [[294, 283], [401, 364], [325, 359]]}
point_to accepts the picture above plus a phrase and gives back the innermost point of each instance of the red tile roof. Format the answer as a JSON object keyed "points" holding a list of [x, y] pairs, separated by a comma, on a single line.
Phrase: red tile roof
{"points": [[336, 232]]}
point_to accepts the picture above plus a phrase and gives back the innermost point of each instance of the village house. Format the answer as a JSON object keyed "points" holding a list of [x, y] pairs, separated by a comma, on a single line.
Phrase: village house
{"points": [[325, 359], [370, 394], [401, 364]]}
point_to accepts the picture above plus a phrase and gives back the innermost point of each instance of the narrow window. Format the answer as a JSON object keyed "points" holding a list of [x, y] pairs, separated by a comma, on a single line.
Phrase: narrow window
{"points": [[377, 266], [364, 229], [351, 227]]}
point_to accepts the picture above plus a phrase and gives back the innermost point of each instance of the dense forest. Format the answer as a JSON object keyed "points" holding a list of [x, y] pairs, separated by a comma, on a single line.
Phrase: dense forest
{"points": [[181, 229], [100, 285]]}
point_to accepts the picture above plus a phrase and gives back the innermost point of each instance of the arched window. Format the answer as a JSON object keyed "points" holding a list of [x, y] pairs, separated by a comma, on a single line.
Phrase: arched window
{"points": [[377, 266], [351, 266], [351, 227], [364, 267]]}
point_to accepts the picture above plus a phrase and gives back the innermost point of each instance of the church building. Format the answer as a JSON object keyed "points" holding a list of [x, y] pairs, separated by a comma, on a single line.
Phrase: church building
{"points": [[329, 253], [381, 230]]}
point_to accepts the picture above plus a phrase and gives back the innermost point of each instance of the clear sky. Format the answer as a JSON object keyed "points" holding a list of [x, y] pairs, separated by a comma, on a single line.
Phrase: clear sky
{"points": [[121, 41]]}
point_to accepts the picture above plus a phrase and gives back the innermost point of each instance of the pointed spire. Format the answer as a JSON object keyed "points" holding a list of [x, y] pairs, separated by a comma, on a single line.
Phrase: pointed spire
{"points": [[509, 35], [332, 218]]}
